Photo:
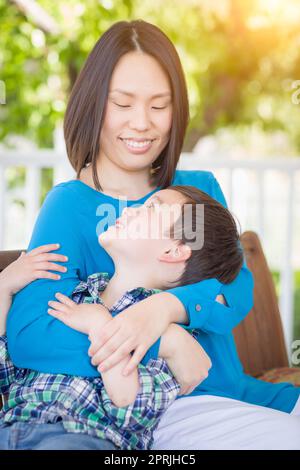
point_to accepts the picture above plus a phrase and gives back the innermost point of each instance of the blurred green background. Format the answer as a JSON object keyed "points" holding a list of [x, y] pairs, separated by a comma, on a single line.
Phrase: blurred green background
{"points": [[241, 59]]}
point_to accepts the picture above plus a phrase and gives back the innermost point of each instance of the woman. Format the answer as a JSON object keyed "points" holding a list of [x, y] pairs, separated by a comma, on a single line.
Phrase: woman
{"points": [[124, 130]]}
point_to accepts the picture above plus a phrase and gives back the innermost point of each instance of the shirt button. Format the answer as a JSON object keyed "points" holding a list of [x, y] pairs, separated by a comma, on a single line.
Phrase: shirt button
{"points": [[68, 403], [198, 307]]}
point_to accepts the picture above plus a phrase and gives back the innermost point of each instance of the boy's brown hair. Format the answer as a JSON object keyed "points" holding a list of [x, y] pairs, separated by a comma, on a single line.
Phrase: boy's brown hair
{"points": [[221, 255]]}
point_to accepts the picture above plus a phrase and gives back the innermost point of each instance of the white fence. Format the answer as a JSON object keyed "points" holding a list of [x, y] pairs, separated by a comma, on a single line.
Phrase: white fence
{"points": [[237, 179]]}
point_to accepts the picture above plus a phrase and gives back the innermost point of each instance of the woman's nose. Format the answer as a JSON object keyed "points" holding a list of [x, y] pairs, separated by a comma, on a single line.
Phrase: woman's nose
{"points": [[140, 119]]}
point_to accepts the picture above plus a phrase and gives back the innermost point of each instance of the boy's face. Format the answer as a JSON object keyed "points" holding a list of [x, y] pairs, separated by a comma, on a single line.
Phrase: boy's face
{"points": [[142, 234]]}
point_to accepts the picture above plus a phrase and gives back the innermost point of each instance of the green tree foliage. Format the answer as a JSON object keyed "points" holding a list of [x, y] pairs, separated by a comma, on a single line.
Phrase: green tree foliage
{"points": [[240, 58]]}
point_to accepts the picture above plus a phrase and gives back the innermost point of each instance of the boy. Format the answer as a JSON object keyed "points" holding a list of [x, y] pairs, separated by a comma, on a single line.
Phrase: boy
{"points": [[150, 252]]}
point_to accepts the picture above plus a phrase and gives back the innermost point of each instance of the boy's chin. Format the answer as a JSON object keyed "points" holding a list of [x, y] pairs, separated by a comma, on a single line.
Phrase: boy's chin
{"points": [[108, 242], [103, 239]]}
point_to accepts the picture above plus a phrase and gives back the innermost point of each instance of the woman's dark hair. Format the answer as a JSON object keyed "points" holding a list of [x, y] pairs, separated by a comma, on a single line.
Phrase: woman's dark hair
{"points": [[221, 255], [85, 110]]}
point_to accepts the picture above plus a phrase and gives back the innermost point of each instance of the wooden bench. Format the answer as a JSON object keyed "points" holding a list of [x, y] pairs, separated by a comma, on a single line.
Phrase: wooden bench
{"points": [[259, 337]]}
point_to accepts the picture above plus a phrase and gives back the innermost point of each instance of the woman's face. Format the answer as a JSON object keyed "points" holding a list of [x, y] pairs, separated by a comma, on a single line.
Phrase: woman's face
{"points": [[138, 117]]}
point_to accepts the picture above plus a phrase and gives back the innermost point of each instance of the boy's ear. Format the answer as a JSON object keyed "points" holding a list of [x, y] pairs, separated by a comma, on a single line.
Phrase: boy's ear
{"points": [[176, 254]]}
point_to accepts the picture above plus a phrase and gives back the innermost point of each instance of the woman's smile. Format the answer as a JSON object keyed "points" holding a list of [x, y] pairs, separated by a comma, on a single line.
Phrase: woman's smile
{"points": [[137, 147]]}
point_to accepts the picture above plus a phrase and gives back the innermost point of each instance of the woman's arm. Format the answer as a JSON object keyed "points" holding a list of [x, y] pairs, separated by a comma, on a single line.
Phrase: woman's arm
{"points": [[199, 300], [24, 270], [35, 339]]}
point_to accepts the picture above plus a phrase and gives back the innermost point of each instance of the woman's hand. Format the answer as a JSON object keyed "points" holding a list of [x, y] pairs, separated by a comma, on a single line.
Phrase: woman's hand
{"points": [[134, 329], [36, 264], [86, 318]]}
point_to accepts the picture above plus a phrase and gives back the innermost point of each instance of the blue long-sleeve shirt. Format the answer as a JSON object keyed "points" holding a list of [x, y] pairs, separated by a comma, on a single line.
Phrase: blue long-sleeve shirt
{"points": [[74, 214]]}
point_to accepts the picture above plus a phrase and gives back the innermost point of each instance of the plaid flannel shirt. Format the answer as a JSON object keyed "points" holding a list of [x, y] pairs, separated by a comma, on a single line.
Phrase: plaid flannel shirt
{"points": [[82, 402]]}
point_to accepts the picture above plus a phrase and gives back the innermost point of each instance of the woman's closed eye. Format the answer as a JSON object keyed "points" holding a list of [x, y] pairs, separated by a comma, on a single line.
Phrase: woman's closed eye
{"points": [[122, 105], [128, 106]]}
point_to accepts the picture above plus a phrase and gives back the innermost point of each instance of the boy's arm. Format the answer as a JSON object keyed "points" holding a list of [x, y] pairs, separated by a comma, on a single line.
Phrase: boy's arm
{"points": [[157, 391], [7, 369], [153, 385], [6, 291], [5, 303], [127, 390], [120, 391], [89, 319], [158, 384]]}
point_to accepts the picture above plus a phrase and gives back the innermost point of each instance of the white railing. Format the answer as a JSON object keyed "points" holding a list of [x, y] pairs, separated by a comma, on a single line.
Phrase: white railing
{"points": [[225, 170], [33, 161]]}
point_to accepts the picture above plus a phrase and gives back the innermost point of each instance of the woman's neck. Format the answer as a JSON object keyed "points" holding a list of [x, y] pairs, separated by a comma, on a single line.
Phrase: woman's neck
{"points": [[116, 181]]}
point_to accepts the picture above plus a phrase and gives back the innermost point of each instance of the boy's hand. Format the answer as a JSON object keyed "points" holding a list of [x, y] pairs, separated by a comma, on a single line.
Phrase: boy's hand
{"points": [[81, 317], [31, 266], [186, 358]]}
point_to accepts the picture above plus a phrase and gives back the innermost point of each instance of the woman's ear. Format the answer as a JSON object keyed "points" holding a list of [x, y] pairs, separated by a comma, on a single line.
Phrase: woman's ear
{"points": [[176, 254]]}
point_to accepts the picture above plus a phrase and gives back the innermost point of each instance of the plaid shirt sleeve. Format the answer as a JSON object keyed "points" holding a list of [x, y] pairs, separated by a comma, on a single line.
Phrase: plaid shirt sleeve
{"points": [[158, 390], [7, 368]]}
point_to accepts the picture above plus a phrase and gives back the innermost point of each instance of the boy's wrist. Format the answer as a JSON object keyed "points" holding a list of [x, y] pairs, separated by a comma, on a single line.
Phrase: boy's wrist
{"points": [[4, 287], [98, 319], [174, 308], [168, 342]]}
